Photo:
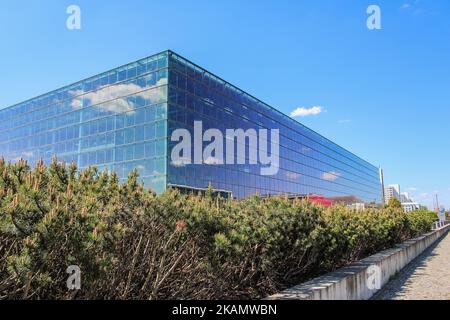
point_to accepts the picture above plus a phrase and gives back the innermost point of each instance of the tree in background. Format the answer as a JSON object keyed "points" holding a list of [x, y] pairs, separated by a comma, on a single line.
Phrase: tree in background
{"points": [[394, 203]]}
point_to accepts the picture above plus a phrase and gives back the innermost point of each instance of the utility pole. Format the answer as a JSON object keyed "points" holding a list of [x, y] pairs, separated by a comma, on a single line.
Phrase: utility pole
{"points": [[437, 203], [383, 196]]}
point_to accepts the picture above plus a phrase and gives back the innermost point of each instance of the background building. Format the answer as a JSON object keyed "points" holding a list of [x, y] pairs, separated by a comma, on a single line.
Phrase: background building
{"points": [[410, 206], [392, 191], [408, 203], [123, 119], [404, 197]]}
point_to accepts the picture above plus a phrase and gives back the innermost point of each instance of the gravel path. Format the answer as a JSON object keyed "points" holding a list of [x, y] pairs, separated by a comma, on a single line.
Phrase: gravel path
{"points": [[425, 278]]}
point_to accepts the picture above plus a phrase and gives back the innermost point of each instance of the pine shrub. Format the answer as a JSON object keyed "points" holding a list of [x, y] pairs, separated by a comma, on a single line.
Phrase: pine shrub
{"points": [[132, 244]]}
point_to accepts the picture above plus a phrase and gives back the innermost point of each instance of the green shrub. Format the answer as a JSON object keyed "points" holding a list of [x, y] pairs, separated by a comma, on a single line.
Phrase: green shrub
{"points": [[420, 221], [394, 203], [133, 244]]}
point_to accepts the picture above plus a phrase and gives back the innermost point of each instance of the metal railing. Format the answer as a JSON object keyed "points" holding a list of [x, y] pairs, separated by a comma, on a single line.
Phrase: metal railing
{"points": [[440, 224]]}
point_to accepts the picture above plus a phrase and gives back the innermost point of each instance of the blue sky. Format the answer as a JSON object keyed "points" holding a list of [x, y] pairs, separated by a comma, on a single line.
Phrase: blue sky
{"points": [[383, 94]]}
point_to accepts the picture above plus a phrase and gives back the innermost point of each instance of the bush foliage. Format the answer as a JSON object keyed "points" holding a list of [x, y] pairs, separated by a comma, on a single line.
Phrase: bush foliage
{"points": [[133, 244]]}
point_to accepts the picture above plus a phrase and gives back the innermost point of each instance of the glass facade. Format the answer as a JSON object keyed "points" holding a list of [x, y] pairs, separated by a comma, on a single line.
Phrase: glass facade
{"points": [[116, 120], [124, 119]]}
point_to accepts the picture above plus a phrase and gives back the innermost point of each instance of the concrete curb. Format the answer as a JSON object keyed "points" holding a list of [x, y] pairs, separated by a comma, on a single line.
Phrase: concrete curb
{"points": [[362, 279]]}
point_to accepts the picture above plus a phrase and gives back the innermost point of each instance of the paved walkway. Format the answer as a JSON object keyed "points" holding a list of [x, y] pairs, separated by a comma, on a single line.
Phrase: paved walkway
{"points": [[425, 278]]}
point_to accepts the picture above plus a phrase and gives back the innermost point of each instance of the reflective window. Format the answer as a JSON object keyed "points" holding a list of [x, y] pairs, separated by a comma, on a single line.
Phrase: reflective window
{"points": [[123, 119], [309, 163], [106, 120]]}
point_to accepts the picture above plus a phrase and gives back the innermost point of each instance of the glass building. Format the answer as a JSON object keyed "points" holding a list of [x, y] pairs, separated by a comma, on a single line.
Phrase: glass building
{"points": [[124, 119]]}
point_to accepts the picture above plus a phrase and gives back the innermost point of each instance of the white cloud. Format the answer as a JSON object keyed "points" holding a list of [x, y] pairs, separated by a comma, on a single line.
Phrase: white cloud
{"points": [[306, 149], [25, 155], [213, 161], [113, 98], [293, 175], [412, 7], [405, 6], [330, 176], [304, 112], [181, 162], [344, 121], [412, 189]]}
